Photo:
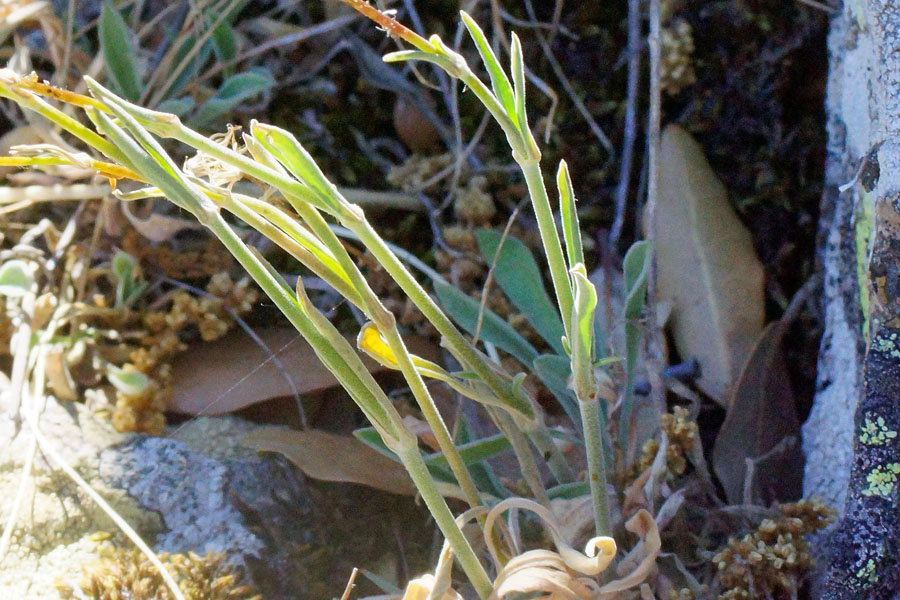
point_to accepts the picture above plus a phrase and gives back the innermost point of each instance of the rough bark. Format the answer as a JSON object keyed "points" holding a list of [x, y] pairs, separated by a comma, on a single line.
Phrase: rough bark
{"points": [[851, 439]]}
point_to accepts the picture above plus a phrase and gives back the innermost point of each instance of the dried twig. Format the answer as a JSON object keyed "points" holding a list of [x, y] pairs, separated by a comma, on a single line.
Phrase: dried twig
{"points": [[634, 66], [570, 91], [654, 343]]}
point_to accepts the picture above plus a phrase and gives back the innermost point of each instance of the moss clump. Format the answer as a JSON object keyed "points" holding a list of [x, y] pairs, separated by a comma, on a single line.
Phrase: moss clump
{"points": [[129, 575], [771, 561], [676, 65], [682, 434], [160, 342]]}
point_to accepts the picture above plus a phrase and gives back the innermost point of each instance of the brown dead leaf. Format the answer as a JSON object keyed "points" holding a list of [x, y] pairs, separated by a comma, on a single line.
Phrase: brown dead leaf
{"points": [[219, 377], [761, 414], [331, 457], [158, 228], [707, 267]]}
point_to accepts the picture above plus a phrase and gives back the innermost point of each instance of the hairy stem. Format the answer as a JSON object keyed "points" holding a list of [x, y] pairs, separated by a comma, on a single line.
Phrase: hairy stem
{"points": [[591, 422]]}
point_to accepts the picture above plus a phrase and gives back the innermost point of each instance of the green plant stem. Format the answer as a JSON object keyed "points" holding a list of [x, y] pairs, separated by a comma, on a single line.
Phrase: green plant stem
{"points": [[632, 342], [34, 103], [473, 568], [593, 441], [431, 414], [158, 169], [523, 453], [298, 194], [408, 452], [559, 466], [462, 350], [550, 240], [289, 244], [387, 325]]}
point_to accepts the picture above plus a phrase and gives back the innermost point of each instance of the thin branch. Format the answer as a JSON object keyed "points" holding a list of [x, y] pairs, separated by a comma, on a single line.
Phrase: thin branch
{"points": [[570, 91], [630, 135]]}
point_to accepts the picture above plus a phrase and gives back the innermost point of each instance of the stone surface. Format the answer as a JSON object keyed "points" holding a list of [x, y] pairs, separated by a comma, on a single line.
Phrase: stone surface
{"points": [[198, 490], [859, 376]]}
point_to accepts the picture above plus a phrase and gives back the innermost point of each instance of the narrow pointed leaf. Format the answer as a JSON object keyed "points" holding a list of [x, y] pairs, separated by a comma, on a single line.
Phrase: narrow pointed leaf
{"points": [[117, 43], [518, 73], [636, 267], [499, 81], [571, 231], [405, 55], [464, 310], [582, 342], [288, 150], [519, 277]]}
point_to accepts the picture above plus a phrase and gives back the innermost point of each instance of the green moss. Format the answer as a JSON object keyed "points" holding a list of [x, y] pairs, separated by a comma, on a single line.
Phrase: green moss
{"points": [[881, 480], [867, 572], [888, 344], [876, 433]]}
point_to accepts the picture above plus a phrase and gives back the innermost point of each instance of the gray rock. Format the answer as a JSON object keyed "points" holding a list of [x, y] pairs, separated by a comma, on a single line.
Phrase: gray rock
{"points": [[198, 490]]}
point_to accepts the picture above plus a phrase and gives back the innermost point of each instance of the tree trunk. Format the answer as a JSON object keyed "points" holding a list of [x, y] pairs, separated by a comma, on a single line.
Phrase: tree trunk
{"points": [[851, 440]]}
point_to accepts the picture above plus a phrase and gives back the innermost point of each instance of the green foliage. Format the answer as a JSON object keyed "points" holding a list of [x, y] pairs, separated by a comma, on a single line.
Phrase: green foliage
{"points": [[520, 279], [16, 278], [636, 267], [129, 286], [466, 311], [129, 135], [130, 383], [120, 52]]}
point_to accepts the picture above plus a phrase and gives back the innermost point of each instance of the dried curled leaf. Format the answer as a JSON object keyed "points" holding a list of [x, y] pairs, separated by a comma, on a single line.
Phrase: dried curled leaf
{"points": [[562, 575], [708, 269]]}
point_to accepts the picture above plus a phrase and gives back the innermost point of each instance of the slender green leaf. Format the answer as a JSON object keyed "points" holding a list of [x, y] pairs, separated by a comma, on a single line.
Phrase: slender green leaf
{"points": [[571, 231], [518, 275], [518, 72], [474, 451], [582, 331], [481, 471], [235, 90], [576, 489], [224, 42], [636, 266], [405, 55], [464, 310], [119, 52], [287, 149], [499, 81]]}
